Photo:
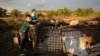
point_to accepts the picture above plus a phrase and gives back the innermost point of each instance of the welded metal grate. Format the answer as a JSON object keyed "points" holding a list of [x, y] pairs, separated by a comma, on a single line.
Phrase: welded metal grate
{"points": [[49, 38]]}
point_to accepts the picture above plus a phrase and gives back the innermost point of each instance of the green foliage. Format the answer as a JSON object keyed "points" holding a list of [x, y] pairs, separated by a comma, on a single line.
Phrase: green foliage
{"points": [[89, 12], [84, 12], [2, 12], [6, 36], [79, 12], [98, 13], [15, 13], [52, 13], [59, 12], [66, 12]]}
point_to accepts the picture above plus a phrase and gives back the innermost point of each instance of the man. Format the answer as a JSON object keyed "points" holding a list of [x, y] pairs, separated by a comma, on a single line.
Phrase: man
{"points": [[23, 33], [33, 16]]}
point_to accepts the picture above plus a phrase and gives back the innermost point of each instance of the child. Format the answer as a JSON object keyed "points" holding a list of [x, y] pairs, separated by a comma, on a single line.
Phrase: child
{"points": [[23, 33]]}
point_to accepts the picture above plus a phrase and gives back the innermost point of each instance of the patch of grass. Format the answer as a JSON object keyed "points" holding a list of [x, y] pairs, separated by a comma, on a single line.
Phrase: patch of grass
{"points": [[7, 47], [6, 36]]}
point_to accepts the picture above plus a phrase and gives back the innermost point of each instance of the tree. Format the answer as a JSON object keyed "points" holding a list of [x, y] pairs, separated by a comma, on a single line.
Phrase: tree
{"points": [[66, 12], [84, 12], [79, 12], [15, 13], [88, 12], [60, 12], [2, 12]]}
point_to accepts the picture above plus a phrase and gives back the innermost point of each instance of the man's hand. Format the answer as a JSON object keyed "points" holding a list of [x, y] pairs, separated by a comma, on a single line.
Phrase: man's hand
{"points": [[31, 25]]}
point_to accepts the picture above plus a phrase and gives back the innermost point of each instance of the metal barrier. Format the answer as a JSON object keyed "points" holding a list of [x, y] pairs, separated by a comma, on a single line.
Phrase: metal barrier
{"points": [[48, 41], [49, 38]]}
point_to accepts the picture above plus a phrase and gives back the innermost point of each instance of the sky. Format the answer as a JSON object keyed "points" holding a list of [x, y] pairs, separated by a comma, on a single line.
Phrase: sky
{"points": [[27, 5]]}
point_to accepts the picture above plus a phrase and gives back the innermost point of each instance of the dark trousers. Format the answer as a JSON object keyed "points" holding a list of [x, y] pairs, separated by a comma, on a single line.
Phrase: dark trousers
{"points": [[23, 39], [33, 35]]}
